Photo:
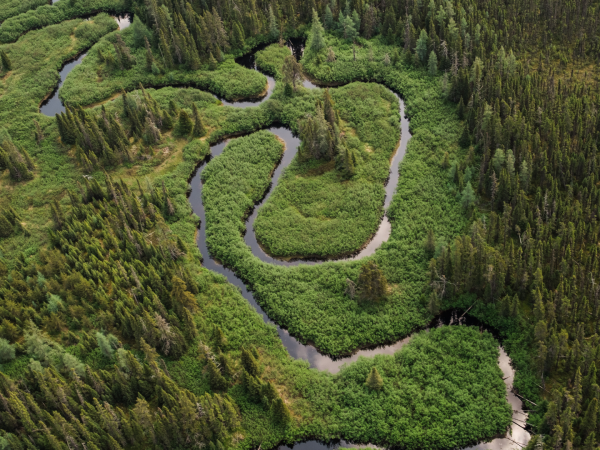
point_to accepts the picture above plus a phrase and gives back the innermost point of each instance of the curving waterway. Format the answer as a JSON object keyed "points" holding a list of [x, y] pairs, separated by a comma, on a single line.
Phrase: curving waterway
{"points": [[53, 105], [517, 437]]}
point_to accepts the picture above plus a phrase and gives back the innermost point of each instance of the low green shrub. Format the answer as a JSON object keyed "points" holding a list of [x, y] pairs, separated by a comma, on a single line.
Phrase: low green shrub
{"points": [[46, 15], [10, 8]]}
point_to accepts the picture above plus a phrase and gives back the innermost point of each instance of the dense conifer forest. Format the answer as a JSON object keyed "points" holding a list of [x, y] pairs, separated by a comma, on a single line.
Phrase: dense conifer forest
{"points": [[222, 189]]}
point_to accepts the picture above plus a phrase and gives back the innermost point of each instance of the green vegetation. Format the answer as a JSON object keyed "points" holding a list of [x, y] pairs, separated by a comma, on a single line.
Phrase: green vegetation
{"points": [[270, 59], [113, 336], [47, 14], [313, 211], [97, 78], [36, 59], [293, 296], [9, 8], [443, 390]]}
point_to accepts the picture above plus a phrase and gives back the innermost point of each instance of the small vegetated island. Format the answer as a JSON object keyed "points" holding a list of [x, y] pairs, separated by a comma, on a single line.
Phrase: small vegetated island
{"points": [[115, 335]]}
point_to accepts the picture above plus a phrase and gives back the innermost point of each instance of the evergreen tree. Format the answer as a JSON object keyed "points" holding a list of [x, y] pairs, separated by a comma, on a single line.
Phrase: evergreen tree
{"points": [[421, 48], [249, 362], [291, 71], [212, 62], [217, 381], [372, 283], [281, 413], [38, 132], [273, 28], [317, 35], [432, 64], [356, 21], [374, 380], [6, 228], [184, 124], [328, 19], [347, 27], [149, 56], [468, 196], [199, 129], [238, 35], [346, 161], [6, 64], [430, 242]]}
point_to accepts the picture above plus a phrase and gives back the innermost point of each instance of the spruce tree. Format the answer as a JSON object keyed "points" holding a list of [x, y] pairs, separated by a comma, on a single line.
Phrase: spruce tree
{"points": [[273, 28], [249, 362], [184, 124], [430, 242], [238, 35], [328, 19], [421, 48], [468, 196], [6, 64], [432, 64], [149, 55], [199, 129], [212, 62], [6, 228], [317, 35], [38, 132], [374, 380], [372, 283], [281, 413], [217, 381], [291, 71], [219, 338]]}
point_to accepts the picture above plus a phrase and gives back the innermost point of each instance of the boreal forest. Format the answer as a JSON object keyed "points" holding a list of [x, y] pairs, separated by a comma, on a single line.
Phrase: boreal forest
{"points": [[320, 224]]}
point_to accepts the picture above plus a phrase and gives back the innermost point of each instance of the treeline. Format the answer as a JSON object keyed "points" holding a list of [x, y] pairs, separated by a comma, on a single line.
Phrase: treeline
{"points": [[536, 143], [456, 33], [106, 139]]}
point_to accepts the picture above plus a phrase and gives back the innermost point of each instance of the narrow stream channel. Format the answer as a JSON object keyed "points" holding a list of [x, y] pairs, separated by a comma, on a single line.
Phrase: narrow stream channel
{"points": [[53, 105], [309, 353]]}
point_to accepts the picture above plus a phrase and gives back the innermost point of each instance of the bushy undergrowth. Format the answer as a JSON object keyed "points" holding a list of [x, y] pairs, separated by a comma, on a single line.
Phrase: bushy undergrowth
{"points": [[46, 15], [316, 212], [240, 176], [271, 59], [10, 8], [443, 390], [94, 80]]}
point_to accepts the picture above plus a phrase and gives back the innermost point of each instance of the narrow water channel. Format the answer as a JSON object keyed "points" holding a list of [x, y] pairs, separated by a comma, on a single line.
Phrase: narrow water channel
{"points": [[53, 105], [517, 436]]}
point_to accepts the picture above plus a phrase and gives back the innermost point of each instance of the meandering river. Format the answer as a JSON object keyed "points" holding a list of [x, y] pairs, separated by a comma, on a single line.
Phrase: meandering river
{"points": [[518, 435]]}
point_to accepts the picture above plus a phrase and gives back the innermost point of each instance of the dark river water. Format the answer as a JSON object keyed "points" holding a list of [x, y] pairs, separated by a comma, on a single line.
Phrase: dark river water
{"points": [[53, 106]]}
